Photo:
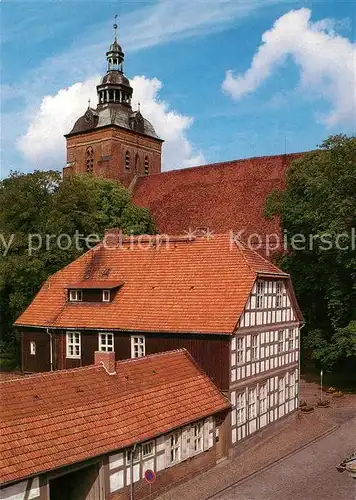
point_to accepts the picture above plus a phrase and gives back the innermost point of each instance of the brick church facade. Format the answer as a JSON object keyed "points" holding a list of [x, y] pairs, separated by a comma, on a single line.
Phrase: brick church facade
{"points": [[113, 141]]}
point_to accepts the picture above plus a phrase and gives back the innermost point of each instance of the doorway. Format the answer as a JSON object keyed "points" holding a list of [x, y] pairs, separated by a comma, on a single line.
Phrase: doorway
{"points": [[82, 484]]}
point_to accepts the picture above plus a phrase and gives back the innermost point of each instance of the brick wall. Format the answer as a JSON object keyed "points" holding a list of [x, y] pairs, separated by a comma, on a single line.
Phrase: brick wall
{"points": [[110, 145]]}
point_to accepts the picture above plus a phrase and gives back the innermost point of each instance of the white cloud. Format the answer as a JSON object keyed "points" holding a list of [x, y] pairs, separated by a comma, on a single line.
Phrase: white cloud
{"points": [[327, 63], [43, 145]]}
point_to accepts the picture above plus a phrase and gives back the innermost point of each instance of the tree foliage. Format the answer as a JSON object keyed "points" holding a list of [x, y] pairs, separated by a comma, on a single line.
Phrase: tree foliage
{"points": [[319, 203], [39, 207]]}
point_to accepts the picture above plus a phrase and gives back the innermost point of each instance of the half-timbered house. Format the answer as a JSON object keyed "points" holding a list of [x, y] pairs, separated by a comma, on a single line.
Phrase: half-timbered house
{"points": [[234, 311], [91, 433]]}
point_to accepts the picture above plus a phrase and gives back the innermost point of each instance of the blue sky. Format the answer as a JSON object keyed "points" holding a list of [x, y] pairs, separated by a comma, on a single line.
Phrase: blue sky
{"points": [[299, 90]]}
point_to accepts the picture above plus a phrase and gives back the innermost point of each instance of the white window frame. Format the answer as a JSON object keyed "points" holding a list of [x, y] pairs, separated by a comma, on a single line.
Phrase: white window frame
{"points": [[71, 345], [263, 399], [281, 390], [252, 403], [292, 379], [260, 294], [240, 408], [255, 347], [175, 443], [106, 295], [279, 294], [281, 340], [136, 457], [104, 344], [33, 348], [75, 295], [138, 346], [149, 444], [197, 437], [240, 350], [290, 340]]}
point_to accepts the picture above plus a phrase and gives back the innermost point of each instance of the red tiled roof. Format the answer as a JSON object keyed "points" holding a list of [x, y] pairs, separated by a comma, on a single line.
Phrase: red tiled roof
{"points": [[95, 284], [55, 419], [222, 196], [198, 286]]}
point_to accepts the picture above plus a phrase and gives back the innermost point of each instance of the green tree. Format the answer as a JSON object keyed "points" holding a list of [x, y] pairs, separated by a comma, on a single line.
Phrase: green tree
{"points": [[35, 209], [319, 204]]}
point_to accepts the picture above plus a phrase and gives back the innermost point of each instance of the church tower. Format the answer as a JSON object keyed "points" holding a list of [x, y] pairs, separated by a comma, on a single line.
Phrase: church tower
{"points": [[113, 141]]}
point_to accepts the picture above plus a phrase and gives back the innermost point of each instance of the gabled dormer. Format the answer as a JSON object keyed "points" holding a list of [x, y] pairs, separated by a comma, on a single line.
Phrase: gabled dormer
{"points": [[94, 291]]}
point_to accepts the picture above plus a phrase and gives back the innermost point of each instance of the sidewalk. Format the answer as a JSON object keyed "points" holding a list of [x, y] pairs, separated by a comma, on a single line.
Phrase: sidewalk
{"points": [[305, 429]]}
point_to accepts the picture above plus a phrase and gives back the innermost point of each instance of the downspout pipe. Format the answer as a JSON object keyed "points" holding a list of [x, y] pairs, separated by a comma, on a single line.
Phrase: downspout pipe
{"points": [[299, 360], [50, 349], [131, 472]]}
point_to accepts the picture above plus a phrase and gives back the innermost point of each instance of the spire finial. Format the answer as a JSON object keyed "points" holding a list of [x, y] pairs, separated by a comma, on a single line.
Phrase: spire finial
{"points": [[139, 106], [115, 27], [89, 102]]}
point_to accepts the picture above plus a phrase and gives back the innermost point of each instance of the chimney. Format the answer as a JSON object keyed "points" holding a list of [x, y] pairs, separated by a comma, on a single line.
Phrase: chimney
{"points": [[113, 237], [107, 359]]}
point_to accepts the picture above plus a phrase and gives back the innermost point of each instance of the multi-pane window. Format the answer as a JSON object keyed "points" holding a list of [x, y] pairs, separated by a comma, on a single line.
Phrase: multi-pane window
{"points": [[280, 341], [252, 410], [291, 385], [106, 295], [260, 287], [133, 455], [254, 347], [106, 342], [75, 295], [290, 340], [73, 344], [90, 160], [127, 161], [240, 408], [197, 437], [240, 350], [137, 346], [174, 452], [281, 390], [33, 348], [263, 398], [147, 167], [148, 449], [279, 294]]}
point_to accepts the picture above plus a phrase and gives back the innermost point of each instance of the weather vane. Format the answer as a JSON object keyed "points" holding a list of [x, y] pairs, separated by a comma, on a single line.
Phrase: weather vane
{"points": [[115, 27]]}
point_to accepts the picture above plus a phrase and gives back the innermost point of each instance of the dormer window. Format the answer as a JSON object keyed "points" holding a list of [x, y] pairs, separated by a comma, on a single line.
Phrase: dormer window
{"points": [[75, 295], [106, 295]]}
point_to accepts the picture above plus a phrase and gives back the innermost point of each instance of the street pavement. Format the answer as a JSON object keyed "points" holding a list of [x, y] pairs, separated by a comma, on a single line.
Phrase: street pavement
{"points": [[309, 474]]}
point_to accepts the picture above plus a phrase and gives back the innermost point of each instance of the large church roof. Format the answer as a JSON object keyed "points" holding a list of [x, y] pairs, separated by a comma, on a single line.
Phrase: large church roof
{"points": [[222, 196]]}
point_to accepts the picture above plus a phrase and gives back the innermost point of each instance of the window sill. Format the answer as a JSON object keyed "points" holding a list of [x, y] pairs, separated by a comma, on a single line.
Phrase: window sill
{"points": [[73, 357]]}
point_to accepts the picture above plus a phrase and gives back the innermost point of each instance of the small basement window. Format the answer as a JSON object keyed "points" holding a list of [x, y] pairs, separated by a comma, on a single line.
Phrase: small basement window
{"points": [[106, 295], [75, 295], [33, 348], [136, 456], [148, 449]]}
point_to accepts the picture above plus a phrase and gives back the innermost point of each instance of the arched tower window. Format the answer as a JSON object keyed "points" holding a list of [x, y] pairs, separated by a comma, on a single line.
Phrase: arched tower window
{"points": [[127, 161], [90, 160], [147, 166]]}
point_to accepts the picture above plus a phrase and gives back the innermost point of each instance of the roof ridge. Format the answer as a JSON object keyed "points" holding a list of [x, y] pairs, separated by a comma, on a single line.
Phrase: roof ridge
{"points": [[31, 376], [154, 355], [227, 162]]}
